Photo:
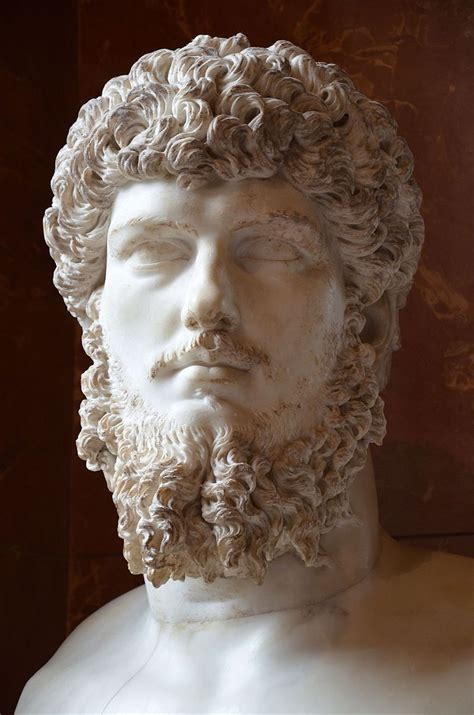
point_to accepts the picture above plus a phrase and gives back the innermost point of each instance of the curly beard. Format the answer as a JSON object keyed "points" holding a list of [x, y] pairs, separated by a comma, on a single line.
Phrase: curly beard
{"points": [[223, 501]]}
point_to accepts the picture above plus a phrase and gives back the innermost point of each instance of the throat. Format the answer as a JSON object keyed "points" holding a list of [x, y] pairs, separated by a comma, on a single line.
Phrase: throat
{"points": [[289, 584]]}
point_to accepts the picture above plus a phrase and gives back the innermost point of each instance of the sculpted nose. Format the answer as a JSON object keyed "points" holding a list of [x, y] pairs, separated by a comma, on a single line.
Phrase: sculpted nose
{"points": [[210, 302]]}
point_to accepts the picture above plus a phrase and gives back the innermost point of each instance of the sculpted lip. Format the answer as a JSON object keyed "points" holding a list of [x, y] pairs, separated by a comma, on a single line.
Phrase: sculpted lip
{"points": [[200, 363], [208, 351], [209, 360]]}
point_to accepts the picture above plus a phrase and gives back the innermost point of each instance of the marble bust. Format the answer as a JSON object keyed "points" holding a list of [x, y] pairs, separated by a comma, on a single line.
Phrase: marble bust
{"points": [[236, 229]]}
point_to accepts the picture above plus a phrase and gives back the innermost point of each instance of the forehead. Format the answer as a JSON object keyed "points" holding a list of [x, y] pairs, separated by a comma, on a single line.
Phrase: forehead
{"points": [[231, 202]]}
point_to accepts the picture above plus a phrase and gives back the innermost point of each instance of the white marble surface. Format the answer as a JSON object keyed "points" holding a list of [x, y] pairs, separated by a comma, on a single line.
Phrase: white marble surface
{"points": [[397, 642]]}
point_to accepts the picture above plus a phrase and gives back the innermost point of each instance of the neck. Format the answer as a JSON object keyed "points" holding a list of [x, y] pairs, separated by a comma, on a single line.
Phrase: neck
{"points": [[288, 584]]}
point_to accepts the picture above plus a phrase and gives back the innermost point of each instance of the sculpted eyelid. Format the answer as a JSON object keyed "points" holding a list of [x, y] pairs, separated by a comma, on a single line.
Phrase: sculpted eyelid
{"points": [[125, 249], [310, 243]]}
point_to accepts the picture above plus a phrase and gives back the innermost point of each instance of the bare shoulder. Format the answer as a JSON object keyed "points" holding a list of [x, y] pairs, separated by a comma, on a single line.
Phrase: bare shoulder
{"points": [[105, 637], [442, 579], [405, 633], [423, 598]]}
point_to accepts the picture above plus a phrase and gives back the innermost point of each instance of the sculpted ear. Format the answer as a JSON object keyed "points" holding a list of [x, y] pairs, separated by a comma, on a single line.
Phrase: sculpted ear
{"points": [[382, 332]]}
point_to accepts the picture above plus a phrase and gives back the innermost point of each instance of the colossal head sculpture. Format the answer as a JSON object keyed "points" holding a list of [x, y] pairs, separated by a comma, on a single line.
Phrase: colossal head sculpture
{"points": [[236, 229]]}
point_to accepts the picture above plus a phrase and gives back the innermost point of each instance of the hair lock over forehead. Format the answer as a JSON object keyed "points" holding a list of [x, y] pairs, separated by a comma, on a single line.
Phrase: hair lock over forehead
{"points": [[220, 109]]}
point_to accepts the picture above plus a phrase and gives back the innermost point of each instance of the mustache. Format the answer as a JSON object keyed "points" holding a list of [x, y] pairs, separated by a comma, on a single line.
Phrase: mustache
{"points": [[215, 346]]}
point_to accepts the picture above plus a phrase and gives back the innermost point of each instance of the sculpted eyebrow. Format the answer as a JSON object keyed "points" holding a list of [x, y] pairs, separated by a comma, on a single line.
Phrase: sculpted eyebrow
{"points": [[308, 235], [126, 236], [150, 225], [282, 218]]}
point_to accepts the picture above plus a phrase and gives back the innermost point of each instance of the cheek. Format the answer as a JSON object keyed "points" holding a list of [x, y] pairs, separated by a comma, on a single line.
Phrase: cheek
{"points": [[325, 333], [303, 333], [134, 316]]}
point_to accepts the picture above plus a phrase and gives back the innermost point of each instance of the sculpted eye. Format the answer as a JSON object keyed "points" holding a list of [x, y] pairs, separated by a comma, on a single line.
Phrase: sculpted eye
{"points": [[270, 249], [154, 254]]}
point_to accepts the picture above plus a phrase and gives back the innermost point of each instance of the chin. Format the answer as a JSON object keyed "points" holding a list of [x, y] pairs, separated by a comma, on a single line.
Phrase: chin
{"points": [[208, 411]]}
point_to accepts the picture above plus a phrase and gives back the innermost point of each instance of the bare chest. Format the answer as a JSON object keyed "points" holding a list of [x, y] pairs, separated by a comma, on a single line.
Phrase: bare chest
{"points": [[296, 662], [288, 669]]}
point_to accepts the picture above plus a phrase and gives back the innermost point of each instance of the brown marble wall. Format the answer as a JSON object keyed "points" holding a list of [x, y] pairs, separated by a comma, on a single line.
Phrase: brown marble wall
{"points": [[414, 55], [38, 81]]}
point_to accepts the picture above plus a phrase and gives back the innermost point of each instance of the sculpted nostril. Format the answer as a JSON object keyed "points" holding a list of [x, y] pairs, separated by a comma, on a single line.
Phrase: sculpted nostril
{"points": [[226, 322], [224, 315], [190, 322], [209, 321], [219, 320]]}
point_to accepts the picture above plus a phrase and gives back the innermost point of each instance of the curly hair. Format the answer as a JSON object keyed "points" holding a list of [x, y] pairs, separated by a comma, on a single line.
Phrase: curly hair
{"points": [[218, 108]]}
